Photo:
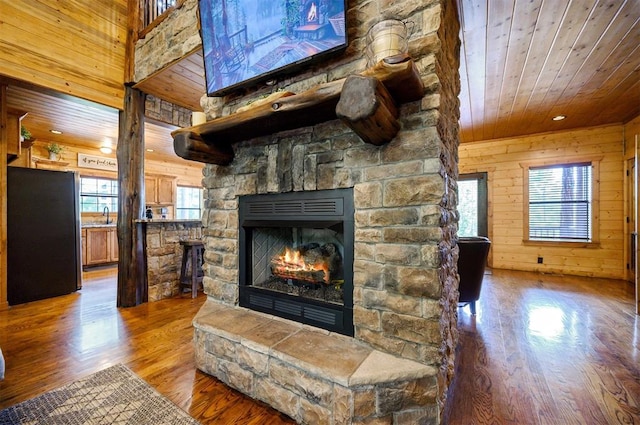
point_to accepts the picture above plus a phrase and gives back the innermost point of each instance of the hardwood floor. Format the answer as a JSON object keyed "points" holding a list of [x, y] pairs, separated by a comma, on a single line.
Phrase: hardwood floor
{"points": [[541, 350], [51, 342], [548, 350]]}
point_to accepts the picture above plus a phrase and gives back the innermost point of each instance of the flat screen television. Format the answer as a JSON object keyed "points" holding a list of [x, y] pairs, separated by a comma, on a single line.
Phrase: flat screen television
{"points": [[249, 41]]}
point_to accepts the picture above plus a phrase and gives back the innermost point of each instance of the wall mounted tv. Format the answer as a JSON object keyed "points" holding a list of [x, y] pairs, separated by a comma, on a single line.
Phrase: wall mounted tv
{"points": [[248, 41]]}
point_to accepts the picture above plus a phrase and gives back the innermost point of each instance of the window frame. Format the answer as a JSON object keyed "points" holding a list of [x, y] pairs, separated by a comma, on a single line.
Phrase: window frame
{"points": [[595, 201], [113, 207], [201, 202]]}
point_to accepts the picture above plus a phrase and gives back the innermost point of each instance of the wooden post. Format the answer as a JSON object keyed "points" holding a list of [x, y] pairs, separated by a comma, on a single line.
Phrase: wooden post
{"points": [[132, 267], [133, 28], [3, 197]]}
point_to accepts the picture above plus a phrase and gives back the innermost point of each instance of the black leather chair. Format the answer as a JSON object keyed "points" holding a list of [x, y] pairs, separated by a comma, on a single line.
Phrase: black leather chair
{"points": [[471, 263]]}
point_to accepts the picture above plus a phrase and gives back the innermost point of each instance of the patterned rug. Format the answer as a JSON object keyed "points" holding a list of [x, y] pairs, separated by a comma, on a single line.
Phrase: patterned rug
{"points": [[114, 395]]}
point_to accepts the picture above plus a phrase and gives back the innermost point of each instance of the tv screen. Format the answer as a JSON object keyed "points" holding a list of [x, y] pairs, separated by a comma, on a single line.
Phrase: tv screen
{"points": [[248, 41]]}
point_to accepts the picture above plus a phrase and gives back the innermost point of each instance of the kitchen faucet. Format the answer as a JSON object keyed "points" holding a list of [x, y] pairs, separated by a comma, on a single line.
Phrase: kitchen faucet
{"points": [[105, 211]]}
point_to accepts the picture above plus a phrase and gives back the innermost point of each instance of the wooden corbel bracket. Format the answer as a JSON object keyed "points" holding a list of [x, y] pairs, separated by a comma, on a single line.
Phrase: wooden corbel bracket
{"points": [[366, 102]]}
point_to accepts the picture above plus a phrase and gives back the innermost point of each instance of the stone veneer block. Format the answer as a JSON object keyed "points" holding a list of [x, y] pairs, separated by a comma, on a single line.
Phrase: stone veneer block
{"points": [[255, 330], [229, 323], [380, 367], [267, 334], [325, 355]]}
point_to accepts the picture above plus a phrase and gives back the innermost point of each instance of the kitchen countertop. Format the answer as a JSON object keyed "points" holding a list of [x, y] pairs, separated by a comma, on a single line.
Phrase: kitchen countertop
{"points": [[165, 220], [152, 221]]}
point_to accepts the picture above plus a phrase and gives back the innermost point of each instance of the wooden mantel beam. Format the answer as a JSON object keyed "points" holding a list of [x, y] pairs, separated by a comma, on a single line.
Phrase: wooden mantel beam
{"points": [[211, 142]]}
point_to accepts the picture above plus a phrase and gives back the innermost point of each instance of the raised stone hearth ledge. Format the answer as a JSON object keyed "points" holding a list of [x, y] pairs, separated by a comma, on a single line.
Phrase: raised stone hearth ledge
{"points": [[314, 376]]}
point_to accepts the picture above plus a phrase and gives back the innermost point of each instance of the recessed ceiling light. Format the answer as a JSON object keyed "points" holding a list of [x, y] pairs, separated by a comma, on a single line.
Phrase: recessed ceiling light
{"points": [[105, 149], [55, 131], [559, 117], [149, 150]]}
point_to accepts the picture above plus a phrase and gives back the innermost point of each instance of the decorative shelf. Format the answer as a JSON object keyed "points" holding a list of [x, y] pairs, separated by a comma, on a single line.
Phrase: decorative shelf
{"points": [[366, 102], [49, 162]]}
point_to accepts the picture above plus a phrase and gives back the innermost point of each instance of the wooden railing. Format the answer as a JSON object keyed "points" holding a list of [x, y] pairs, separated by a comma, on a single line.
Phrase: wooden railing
{"points": [[155, 11]]}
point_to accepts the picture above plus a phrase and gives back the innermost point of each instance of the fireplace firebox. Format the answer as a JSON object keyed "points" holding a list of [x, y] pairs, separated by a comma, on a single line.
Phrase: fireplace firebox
{"points": [[296, 256]]}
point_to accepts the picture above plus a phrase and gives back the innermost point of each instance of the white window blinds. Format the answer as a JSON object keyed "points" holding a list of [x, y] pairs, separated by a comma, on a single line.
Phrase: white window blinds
{"points": [[560, 202]]}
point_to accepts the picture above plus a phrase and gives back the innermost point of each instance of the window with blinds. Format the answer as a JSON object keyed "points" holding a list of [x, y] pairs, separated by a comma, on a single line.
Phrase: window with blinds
{"points": [[560, 202]]}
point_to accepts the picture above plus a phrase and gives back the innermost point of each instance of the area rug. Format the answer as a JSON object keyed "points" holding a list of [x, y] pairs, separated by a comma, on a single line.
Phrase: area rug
{"points": [[114, 395]]}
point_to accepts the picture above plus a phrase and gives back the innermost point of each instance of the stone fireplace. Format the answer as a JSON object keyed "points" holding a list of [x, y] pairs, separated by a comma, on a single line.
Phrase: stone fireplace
{"points": [[392, 360]]}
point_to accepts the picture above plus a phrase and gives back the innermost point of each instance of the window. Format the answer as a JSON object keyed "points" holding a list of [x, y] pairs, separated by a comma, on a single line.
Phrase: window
{"points": [[189, 203], [95, 194], [560, 202]]}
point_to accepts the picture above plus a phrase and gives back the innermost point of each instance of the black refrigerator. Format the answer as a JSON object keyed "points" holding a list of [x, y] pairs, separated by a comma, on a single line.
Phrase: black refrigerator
{"points": [[44, 257]]}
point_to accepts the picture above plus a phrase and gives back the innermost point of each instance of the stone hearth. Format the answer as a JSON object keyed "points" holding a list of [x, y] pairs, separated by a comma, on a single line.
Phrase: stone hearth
{"points": [[397, 367], [313, 376]]}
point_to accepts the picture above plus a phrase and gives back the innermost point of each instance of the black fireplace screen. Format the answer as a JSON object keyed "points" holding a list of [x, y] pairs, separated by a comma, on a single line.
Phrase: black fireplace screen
{"points": [[299, 261], [296, 256]]}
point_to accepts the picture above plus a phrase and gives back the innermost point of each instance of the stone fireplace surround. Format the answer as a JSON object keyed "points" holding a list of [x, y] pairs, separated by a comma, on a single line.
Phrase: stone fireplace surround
{"points": [[397, 367]]}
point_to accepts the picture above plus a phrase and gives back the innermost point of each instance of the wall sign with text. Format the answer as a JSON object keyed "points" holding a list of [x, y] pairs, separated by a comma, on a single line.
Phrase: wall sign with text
{"points": [[97, 162]]}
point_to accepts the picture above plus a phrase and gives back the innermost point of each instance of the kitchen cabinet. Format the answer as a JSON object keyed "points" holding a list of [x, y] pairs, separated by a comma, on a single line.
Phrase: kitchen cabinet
{"points": [[113, 248], [84, 246], [159, 190], [101, 245]]}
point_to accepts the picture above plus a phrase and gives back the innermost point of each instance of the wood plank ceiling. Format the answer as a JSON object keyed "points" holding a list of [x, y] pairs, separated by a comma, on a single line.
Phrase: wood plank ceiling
{"points": [[522, 63], [81, 122]]}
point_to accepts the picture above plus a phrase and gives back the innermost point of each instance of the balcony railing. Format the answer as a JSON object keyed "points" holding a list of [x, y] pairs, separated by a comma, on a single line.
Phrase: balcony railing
{"points": [[154, 11]]}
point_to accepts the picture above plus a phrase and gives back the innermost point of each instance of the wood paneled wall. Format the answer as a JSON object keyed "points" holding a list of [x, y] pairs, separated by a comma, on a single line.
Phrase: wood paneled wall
{"points": [[188, 173], [75, 47], [502, 160]]}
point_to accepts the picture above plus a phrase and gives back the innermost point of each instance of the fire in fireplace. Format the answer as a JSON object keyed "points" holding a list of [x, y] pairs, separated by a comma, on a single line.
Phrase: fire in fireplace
{"points": [[296, 256], [310, 14], [311, 263]]}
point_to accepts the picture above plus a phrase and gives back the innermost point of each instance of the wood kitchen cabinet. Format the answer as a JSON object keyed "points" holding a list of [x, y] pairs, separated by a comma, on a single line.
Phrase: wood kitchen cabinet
{"points": [[159, 190], [84, 246], [113, 248], [101, 245]]}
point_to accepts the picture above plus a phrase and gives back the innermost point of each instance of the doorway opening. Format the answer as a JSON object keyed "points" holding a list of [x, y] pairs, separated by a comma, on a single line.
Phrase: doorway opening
{"points": [[472, 205]]}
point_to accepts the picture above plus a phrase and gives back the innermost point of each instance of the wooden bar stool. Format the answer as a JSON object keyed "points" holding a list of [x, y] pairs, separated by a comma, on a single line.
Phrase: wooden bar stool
{"points": [[191, 277]]}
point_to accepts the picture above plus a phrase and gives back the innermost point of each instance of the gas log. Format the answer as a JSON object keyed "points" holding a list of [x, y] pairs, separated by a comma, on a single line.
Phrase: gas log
{"points": [[310, 263]]}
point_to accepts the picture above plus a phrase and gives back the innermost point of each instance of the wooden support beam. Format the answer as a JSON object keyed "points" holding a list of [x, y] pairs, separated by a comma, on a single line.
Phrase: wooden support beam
{"points": [[132, 266], [133, 27], [368, 109], [4, 137], [211, 142]]}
